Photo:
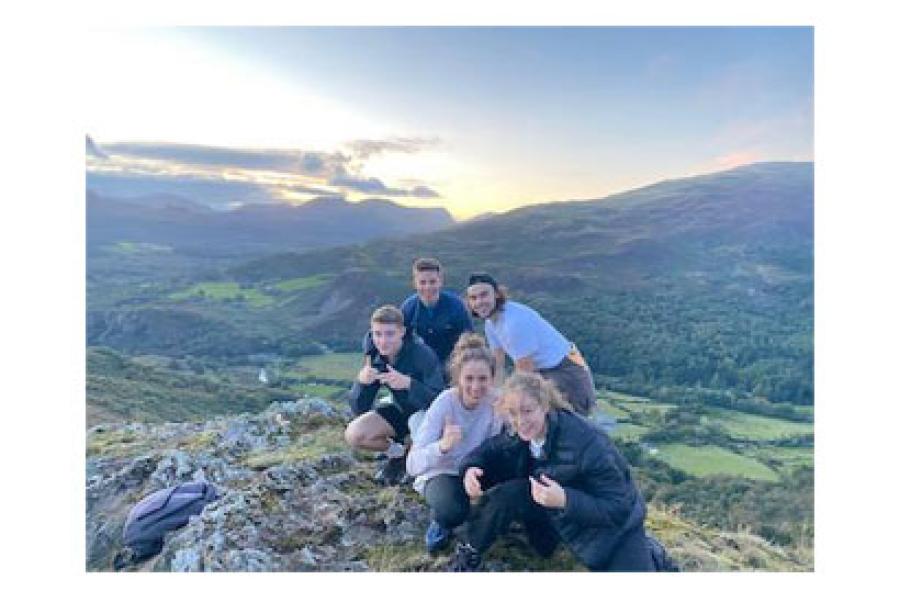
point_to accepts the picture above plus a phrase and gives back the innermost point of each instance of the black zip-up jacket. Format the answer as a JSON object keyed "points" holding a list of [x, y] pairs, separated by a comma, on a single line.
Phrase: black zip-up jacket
{"points": [[602, 501], [420, 363]]}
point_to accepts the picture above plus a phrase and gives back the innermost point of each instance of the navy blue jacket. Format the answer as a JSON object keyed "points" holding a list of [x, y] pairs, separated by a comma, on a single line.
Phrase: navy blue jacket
{"points": [[440, 326], [416, 360], [602, 501]]}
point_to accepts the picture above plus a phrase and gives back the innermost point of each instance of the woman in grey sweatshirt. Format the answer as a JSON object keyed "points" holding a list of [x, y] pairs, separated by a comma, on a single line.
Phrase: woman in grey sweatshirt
{"points": [[456, 423]]}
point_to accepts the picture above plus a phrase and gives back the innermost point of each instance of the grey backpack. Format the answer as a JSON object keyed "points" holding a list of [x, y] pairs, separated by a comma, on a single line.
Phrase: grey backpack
{"points": [[157, 514]]}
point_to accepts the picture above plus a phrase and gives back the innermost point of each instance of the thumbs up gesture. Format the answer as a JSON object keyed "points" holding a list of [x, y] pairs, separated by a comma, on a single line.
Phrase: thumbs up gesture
{"points": [[452, 435]]}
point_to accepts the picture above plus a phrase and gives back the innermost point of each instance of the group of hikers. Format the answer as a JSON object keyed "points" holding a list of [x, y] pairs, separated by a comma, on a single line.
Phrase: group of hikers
{"points": [[492, 449]]}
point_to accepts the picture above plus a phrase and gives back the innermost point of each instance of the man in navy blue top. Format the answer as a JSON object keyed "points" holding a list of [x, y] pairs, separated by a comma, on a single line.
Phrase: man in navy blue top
{"points": [[438, 317]]}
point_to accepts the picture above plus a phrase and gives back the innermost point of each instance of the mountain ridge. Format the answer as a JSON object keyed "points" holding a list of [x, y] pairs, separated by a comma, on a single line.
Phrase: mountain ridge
{"points": [[179, 222], [719, 273]]}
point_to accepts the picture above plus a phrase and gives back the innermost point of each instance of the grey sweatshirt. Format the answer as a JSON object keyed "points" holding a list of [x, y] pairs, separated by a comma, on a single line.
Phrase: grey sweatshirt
{"points": [[425, 459]]}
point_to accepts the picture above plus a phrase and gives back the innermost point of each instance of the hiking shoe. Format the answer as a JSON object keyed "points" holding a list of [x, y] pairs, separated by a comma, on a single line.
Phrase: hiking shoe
{"points": [[436, 537], [466, 558], [392, 472]]}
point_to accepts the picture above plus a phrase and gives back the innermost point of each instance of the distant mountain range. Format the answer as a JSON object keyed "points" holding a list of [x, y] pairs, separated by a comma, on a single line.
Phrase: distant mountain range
{"points": [[184, 225]]}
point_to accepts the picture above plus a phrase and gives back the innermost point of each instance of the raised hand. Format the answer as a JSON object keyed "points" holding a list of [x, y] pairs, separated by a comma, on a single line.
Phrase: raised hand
{"points": [[547, 492], [367, 375], [471, 483], [394, 379], [452, 435]]}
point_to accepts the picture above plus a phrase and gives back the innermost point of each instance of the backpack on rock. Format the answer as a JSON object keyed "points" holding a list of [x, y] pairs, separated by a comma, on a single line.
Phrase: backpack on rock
{"points": [[157, 514]]}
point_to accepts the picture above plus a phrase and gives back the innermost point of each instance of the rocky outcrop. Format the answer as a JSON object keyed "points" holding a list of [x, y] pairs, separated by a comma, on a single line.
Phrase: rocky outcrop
{"points": [[294, 498]]}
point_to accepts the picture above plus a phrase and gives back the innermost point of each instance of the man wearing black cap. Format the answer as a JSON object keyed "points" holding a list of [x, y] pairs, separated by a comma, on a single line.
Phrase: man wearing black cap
{"points": [[520, 332]]}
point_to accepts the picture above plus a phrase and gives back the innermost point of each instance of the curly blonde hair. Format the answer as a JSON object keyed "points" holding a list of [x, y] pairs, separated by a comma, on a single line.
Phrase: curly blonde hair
{"points": [[534, 386]]}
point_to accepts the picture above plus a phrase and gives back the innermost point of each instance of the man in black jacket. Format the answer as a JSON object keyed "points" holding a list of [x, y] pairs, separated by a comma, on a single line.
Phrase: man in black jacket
{"points": [[412, 373], [558, 475]]}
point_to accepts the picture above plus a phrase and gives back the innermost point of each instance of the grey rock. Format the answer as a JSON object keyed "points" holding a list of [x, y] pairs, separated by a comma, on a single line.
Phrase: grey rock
{"points": [[187, 560]]}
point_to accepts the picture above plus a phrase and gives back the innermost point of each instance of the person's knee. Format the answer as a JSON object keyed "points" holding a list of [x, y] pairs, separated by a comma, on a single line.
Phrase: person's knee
{"points": [[355, 435]]}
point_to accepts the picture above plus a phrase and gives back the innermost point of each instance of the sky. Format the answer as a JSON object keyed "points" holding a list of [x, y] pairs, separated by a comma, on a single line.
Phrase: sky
{"points": [[474, 119]]}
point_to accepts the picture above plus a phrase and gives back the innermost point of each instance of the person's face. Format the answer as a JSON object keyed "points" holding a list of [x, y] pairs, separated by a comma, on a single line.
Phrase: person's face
{"points": [[388, 338], [428, 285], [475, 382], [482, 299], [526, 415]]}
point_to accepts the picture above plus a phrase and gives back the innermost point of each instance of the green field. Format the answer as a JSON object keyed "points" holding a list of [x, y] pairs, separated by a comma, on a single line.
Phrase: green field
{"points": [[755, 427], [701, 461], [620, 397], [319, 390], [340, 366], [611, 409], [784, 460], [627, 432], [301, 283], [138, 248], [223, 291], [645, 407]]}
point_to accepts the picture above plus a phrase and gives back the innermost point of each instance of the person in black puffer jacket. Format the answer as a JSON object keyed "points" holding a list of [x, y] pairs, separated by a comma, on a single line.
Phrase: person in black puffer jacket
{"points": [[558, 475]]}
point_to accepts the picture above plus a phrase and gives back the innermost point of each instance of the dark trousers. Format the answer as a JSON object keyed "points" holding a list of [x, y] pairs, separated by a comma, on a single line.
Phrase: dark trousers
{"points": [[511, 501], [575, 383], [499, 507], [447, 498], [632, 554]]}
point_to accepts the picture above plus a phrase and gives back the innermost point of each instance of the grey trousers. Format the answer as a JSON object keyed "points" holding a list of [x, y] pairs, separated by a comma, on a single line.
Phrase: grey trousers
{"points": [[575, 382]]}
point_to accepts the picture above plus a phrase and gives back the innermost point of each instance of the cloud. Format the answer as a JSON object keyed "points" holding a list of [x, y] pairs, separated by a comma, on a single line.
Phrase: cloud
{"points": [[222, 177], [301, 162], [214, 193], [364, 149], [422, 191], [373, 185]]}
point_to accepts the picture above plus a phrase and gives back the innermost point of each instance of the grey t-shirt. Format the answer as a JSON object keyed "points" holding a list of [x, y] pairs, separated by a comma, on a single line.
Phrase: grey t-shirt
{"points": [[425, 459]]}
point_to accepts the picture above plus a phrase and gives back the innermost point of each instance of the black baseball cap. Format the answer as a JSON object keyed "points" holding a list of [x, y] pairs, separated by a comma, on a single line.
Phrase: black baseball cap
{"points": [[482, 278]]}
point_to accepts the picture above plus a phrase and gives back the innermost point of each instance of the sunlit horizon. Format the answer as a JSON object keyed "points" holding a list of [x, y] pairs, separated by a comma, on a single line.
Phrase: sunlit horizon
{"points": [[473, 120]]}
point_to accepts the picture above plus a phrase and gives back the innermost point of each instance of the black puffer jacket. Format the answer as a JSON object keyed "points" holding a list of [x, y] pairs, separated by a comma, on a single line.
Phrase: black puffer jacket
{"points": [[416, 360], [602, 502]]}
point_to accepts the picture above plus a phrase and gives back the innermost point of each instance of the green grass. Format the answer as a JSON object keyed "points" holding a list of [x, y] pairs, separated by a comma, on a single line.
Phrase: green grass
{"points": [[627, 432], [646, 407], [338, 366], [319, 390], [114, 443], [307, 446], [713, 460], [138, 248], [619, 396], [222, 291], [783, 460], [755, 427], [610, 409], [301, 283]]}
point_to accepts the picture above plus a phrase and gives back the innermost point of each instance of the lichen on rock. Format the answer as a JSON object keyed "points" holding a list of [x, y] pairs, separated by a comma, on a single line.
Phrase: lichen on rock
{"points": [[294, 498]]}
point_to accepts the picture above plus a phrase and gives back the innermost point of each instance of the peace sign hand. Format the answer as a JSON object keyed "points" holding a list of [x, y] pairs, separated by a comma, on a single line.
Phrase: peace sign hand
{"points": [[395, 379], [547, 492]]}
